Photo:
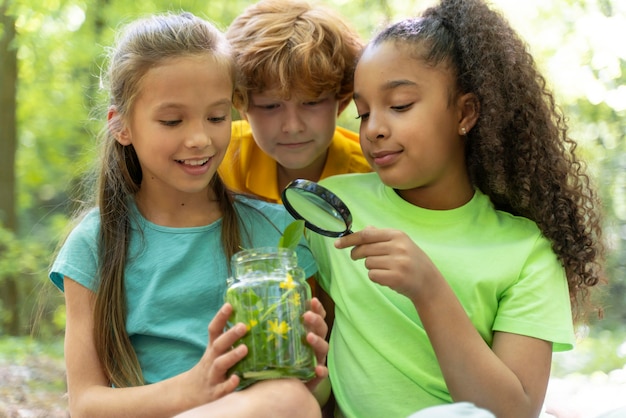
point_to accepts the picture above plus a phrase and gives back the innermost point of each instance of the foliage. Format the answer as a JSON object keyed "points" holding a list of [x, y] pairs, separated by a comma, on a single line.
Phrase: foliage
{"points": [[602, 351], [293, 234], [25, 293], [61, 49]]}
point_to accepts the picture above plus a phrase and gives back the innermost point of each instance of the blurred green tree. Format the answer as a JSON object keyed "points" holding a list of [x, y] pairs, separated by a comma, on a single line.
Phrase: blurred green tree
{"points": [[51, 53]]}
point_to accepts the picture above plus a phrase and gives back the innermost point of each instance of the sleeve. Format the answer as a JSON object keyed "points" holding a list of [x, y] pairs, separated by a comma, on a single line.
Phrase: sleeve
{"points": [[77, 258], [538, 303]]}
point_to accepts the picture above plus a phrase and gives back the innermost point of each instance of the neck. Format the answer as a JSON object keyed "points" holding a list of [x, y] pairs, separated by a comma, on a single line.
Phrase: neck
{"points": [[179, 211], [312, 172]]}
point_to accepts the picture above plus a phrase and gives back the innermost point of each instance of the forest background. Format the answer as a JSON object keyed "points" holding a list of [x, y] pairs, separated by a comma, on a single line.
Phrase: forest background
{"points": [[51, 108]]}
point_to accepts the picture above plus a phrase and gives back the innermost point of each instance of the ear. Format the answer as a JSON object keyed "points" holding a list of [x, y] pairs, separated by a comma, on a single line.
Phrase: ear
{"points": [[469, 110], [117, 127]]}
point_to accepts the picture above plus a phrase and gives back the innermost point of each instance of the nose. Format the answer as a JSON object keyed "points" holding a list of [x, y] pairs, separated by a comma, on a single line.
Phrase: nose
{"points": [[292, 121], [374, 128], [198, 135]]}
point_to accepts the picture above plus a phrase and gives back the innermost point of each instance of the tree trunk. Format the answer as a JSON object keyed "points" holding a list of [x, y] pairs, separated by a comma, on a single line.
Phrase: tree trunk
{"points": [[8, 141], [8, 132]]}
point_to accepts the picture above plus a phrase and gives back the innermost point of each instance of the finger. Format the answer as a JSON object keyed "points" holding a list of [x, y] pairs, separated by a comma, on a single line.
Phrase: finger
{"points": [[365, 236], [227, 386], [317, 307], [383, 262], [224, 362], [216, 327], [321, 373], [319, 345], [231, 384], [315, 323], [227, 339]]}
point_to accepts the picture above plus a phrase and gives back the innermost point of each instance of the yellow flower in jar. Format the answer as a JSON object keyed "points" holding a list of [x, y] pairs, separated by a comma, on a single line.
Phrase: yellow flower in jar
{"points": [[288, 283], [295, 299], [278, 329], [251, 324]]}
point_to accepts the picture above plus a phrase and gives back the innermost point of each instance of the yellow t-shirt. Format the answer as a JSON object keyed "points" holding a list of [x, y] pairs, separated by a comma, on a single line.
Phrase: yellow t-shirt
{"points": [[247, 169]]}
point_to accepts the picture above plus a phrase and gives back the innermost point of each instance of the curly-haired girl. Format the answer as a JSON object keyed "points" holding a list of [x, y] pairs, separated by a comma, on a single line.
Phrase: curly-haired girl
{"points": [[479, 234]]}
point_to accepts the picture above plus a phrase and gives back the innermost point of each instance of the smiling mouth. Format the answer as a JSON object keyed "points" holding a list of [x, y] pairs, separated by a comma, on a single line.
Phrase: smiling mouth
{"points": [[193, 163], [383, 154]]}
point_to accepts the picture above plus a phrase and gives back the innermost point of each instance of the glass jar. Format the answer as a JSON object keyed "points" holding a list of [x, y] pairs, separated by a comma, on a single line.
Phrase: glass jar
{"points": [[269, 293]]}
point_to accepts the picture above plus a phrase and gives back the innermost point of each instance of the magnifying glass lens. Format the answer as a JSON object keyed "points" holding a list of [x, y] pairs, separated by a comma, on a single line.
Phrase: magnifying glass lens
{"points": [[322, 211]]}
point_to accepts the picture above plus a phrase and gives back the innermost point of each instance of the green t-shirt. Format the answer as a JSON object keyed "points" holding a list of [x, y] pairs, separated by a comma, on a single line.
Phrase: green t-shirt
{"points": [[501, 268], [175, 279]]}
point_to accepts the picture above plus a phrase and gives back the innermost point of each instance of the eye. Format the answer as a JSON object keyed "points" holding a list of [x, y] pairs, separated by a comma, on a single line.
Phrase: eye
{"points": [[314, 102], [267, 106], [217, 119], [363, 116], [402, 108], [170, 122]]}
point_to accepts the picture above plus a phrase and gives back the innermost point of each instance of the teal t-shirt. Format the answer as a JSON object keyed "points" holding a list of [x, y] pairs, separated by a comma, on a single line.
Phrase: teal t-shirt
{"points": [[501, 268], [175, 279]]}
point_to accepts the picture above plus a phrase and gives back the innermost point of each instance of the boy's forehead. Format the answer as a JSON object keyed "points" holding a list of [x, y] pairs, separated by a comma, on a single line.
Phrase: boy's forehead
{"points": [[292, 92]]}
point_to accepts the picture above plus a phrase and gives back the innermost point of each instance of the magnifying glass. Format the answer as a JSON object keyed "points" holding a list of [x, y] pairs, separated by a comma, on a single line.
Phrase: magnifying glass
{"points": [[322, 211]]}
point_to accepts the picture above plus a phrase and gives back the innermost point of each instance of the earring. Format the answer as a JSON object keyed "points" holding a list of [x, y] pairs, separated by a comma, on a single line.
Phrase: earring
{"points": [[464, 131]]}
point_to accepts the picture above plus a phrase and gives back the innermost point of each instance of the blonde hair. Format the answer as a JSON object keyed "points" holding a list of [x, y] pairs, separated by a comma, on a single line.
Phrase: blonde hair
{"points": [[143, 44], [293, 45]]}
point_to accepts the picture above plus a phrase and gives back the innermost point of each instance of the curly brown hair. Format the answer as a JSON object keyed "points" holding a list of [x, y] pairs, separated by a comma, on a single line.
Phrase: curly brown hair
{"points": [[519, 153]]}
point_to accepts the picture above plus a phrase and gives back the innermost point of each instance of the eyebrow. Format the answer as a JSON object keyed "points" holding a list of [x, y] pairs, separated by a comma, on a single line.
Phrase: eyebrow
{"points": [[390, 85], [174, 105]]}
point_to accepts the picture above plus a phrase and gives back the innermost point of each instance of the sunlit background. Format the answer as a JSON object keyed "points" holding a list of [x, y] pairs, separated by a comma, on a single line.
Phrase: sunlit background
{"points": [[580, 45]]}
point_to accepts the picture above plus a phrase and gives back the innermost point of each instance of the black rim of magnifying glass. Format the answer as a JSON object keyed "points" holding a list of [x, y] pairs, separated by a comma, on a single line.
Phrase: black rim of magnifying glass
{"points": [[324, 194]]}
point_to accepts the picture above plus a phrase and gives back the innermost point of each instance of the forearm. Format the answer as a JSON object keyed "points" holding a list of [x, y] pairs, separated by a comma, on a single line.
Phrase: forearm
{"points": [[163, 399], [472, 370]]}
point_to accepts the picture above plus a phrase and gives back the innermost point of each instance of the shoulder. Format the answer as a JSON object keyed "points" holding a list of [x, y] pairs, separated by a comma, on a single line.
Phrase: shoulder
{"points": [[345, 154], [240, 129], [347, 181], [346, 142], [238, 157], [87, 225], [248, 205], [241, 140], [346, 134], [505, 227], [517, 224], [78, 256]]}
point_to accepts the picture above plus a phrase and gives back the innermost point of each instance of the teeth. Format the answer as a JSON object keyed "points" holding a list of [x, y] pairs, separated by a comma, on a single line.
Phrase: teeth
{"points": [[194, 162]]}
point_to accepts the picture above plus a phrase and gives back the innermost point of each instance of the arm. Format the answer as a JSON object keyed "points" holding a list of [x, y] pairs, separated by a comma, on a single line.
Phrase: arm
{"points": [[90, 393], [497, 378], [509, 379]]}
